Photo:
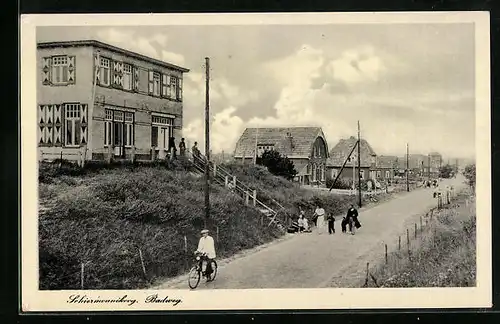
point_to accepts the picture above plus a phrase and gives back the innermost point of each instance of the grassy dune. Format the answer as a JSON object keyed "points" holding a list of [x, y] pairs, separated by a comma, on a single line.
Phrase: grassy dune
{"points": [[107, 218]]}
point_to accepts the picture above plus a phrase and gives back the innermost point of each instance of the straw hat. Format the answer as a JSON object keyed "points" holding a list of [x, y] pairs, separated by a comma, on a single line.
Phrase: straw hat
{"points": [[204, 231]]}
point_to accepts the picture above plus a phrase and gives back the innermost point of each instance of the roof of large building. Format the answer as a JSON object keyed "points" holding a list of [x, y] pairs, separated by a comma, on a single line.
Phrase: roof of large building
{"points": [[387, 161], [339, 153], [112, 48], [294, 142]]}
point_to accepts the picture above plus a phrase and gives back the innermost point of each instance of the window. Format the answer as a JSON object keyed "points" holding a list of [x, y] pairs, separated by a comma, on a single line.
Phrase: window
{"points": [[379, 174], [362, 174], [127, 77], [73, 124], [156, 84], [164, 85], [334, 173], [59, 69], [387, 174], [104, 71], [119, 128], [173, 87], [142, 77]]}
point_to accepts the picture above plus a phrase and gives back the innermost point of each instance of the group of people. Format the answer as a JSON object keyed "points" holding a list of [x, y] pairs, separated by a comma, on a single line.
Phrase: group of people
{"points": [[172, 148], [322, 220]]}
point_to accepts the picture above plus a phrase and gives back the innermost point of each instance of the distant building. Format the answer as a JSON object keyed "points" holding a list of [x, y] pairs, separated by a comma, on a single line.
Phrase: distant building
{"points": [[339, 154], [387, 166], [435, 163], [306, 147], [134, 108]]}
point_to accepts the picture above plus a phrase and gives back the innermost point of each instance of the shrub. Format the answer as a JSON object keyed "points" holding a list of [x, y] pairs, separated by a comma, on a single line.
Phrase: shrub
{"points": [[278, 164], [339, 184]]}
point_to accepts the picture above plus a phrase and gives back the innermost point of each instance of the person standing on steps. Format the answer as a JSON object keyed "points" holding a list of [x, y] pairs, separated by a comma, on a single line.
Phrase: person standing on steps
{"points": [[331, 223], [319, 214], [206, 247], [182, 148], [196, 154]]}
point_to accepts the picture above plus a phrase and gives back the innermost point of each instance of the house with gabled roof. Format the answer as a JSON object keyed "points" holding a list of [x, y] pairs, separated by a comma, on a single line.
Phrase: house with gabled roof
{"points": [[306, 147], [340, 152]]}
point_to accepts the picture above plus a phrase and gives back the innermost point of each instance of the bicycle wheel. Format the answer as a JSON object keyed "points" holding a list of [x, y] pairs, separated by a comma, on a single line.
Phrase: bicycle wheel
{"points": [[214, 272], [194, 277]]}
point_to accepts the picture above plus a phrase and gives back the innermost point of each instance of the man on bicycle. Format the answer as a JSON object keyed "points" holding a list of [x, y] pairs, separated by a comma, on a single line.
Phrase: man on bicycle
{"points": [[206, 247]]}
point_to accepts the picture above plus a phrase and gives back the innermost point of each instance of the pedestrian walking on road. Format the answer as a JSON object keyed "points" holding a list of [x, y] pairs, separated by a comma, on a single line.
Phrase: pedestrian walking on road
{"points": [[319, 214], [343, 224], [352, 219], [331, 223]]}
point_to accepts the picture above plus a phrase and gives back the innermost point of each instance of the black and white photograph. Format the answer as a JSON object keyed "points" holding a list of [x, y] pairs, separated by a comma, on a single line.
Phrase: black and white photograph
{"points": [[261, 161]]}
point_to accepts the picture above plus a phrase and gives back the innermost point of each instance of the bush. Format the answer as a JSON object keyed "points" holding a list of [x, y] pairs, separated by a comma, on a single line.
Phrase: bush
{"points": [[278, 164], [339, 184], [470, 174]]}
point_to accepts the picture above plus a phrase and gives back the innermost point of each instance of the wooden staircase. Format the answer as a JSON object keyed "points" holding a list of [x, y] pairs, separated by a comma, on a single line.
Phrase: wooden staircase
{"points": [[222, 177]]}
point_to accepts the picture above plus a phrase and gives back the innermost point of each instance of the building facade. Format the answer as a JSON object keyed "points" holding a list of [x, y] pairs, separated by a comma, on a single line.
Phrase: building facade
{"points": [[306, 147], [98, 101], [339, 154]]}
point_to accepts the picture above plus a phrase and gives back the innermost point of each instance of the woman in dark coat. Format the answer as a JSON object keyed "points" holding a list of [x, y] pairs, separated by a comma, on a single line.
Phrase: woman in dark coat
{"points": [[352, 219]]}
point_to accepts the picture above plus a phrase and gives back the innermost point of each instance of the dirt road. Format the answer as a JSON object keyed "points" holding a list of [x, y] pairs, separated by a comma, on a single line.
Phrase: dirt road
{"points": [[313, 260]]}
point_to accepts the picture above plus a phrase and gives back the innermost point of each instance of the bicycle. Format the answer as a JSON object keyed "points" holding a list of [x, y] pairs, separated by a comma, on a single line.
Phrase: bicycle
{"points": [[196, 273]]}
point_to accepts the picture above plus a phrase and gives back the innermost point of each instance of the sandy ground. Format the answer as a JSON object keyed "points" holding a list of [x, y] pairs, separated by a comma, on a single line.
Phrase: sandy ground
{"points": [[316, 260]]}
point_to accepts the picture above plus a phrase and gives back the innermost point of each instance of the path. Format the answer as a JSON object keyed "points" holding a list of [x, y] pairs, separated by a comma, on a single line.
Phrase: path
{"points": [[312, 260]]}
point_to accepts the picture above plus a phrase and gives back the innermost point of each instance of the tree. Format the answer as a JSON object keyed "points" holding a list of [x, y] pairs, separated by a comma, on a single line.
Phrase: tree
{"points": [[277, 164], [470, 174], [446, 171]]}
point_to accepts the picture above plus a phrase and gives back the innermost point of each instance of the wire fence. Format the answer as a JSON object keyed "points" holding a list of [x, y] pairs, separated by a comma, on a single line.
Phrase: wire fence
{"points": [[400, 253]]}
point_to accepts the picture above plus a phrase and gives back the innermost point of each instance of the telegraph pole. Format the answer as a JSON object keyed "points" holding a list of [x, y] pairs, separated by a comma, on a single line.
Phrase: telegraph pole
{"points": [[207, 141], [256, 146], [359, 167], [407, 167]]}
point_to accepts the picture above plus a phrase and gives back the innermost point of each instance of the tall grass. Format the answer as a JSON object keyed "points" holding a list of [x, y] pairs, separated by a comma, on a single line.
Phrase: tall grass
{"points": [[445, 257]]}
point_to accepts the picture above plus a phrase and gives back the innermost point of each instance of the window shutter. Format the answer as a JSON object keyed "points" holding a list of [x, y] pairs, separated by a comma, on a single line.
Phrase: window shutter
{"points": [[46, 70], [78, 132], [117, 73], [179, 90], [169, 90], [58, 125], [97, 70], [163, 85], [151, 87], [71, 69], [136, 79]]}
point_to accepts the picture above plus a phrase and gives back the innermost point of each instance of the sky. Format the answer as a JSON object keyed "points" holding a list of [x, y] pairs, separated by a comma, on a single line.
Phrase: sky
{"points": [[405, 83]]}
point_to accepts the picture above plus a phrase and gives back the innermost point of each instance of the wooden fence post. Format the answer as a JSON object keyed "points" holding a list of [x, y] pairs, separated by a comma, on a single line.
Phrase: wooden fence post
{"points": [[234, 182], [386, 261], [399, 243], [367, 273], [246, 197], [215, 169], [415, 230], [82, 275], [255, 198], [408, 238], [226, 181], [142, 263], [185, 252]]}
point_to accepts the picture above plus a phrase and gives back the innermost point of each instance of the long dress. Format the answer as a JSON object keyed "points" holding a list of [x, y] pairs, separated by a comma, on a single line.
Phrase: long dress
{"points": [[320, 224]]}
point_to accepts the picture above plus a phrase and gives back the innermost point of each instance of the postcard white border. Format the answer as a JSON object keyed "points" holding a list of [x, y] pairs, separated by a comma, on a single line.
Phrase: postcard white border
{"points": [[324, 298]]}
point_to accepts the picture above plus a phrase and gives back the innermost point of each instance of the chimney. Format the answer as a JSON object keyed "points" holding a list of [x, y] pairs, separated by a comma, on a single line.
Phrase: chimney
{"points": [[290, 140]]}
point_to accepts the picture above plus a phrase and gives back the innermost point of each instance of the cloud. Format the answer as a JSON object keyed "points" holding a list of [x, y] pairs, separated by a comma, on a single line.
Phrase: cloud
{"points": [[225, 129], [357, 65], [154, 45]]}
